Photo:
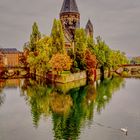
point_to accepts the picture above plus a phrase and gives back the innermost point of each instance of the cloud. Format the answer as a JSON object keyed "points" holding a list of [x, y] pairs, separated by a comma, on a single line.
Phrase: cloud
{"points": [[116, 21]]}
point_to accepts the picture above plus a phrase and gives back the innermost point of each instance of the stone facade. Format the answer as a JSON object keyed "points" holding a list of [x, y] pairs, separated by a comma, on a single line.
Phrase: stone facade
{"points": [[10, 57], [89, 29], [70, 19]]}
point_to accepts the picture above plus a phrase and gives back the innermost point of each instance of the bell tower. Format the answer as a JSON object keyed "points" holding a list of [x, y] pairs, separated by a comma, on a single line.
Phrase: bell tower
{"points": [[70, 18]]}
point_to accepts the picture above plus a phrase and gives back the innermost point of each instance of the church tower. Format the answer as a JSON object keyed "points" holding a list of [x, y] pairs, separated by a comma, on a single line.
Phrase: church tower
{"points": [[89, 29], [70, 19]]}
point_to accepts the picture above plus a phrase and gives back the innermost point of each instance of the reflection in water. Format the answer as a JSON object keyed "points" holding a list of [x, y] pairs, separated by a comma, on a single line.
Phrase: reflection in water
{"points": [[2, 98], [105, 90], [70, 110], [11, 83]]}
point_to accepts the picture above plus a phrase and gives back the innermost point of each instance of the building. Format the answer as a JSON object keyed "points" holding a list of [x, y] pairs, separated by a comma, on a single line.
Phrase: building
{"points": [[10, 57], [1, 59], [1, 62], [70, 19], [89, 29]]}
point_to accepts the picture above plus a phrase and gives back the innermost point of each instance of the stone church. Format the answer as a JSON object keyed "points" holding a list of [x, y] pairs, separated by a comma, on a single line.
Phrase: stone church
{"points": [[70, 19]]}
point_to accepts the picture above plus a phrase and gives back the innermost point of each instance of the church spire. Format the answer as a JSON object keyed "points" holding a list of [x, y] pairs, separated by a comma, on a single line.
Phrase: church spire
{"points": [[70, 18], [89, 29], [69, 6]]}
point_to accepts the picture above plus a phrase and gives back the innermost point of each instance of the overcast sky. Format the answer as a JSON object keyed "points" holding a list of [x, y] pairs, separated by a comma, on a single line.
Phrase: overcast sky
{"points": [[116, 21]]}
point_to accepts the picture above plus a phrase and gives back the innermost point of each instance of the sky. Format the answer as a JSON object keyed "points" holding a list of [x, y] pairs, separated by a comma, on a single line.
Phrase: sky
{"points": [[116, 21]]}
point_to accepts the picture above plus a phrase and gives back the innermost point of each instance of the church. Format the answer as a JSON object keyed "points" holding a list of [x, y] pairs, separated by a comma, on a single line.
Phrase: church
{"points": [[70, 19]]}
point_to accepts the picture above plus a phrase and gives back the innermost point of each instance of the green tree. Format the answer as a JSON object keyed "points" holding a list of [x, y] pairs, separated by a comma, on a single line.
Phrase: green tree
{"points": [[38, 60], [80, 40], [57, 35], [135, 60], [102, 52], [90, 44], [34, 37], [117, 58]]}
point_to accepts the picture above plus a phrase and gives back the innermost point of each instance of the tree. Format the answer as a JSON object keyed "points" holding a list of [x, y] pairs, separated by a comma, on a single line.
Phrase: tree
{"points": [[135, 60], [117, 58], [60, 62], [107, 58], [80, 40], [57, 35], [38, 60], [90, 44], [102, 52], [1, 64], [34, 37], [91, 61]]}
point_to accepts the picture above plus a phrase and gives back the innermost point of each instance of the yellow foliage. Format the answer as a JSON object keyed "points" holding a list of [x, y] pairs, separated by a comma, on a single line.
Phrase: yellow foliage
{"points": [[60, 103], [60, 62]]}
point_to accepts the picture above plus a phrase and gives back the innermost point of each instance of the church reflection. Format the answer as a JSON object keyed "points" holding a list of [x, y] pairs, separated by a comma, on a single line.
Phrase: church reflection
{"points": [[71, 109]]}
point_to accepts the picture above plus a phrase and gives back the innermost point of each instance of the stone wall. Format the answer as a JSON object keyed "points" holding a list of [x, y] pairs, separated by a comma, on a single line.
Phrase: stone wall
{"points": [[65, 78]]}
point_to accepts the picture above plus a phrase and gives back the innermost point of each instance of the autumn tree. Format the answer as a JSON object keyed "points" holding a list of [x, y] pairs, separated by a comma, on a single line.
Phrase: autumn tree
{"points": [[57, 35], [102, 52], [80, 40], [91, 60], [60, 62], [91, 63], [135, 60], [117, 58], [34, 37], [23, 57], [1, 64], [38, 61], [90, 44]]}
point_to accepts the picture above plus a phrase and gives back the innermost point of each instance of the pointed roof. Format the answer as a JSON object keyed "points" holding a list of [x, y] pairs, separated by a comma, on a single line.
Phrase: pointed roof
{"points": [[69, 6], [89, 25]]}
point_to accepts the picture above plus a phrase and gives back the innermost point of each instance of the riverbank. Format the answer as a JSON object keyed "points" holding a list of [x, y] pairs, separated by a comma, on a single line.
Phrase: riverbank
{"points": [[69, 77]]}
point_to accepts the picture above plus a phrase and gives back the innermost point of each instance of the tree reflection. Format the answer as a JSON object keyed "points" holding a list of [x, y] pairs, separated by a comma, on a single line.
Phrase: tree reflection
{"points": [[7, 83], [68, 127], [2, 95], [105, 90], [70, 110], [37, 95], [2, 98]]}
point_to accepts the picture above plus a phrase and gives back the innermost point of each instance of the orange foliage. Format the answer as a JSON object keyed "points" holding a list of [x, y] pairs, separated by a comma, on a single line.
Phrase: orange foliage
{"points": [[60, 62], [91, 60]]}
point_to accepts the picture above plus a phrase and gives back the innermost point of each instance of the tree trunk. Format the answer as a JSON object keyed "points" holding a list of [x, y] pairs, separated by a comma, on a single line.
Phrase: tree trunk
{"points": [[102, 73]]}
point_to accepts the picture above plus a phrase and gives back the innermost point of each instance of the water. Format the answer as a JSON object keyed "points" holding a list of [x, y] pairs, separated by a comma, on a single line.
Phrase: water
{"points": [[35, 110]]}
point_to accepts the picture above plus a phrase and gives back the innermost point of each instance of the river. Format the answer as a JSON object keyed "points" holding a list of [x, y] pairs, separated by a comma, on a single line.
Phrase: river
{"points": [[35, 110]]}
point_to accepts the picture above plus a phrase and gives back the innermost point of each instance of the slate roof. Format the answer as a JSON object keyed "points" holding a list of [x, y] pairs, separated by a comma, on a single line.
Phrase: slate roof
{"points": [[8, 50], [69, 6]]}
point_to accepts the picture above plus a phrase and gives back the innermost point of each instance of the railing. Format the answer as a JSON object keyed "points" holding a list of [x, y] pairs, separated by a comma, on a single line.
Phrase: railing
{"points": [[129, 65]]}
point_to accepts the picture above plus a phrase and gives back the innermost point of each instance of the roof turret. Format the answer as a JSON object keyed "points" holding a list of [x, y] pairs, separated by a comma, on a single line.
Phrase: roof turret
{"points": [[69, 6]]}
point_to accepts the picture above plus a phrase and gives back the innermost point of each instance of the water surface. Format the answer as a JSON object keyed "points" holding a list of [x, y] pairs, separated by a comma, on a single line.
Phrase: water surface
{"points": [[31, 109]]}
